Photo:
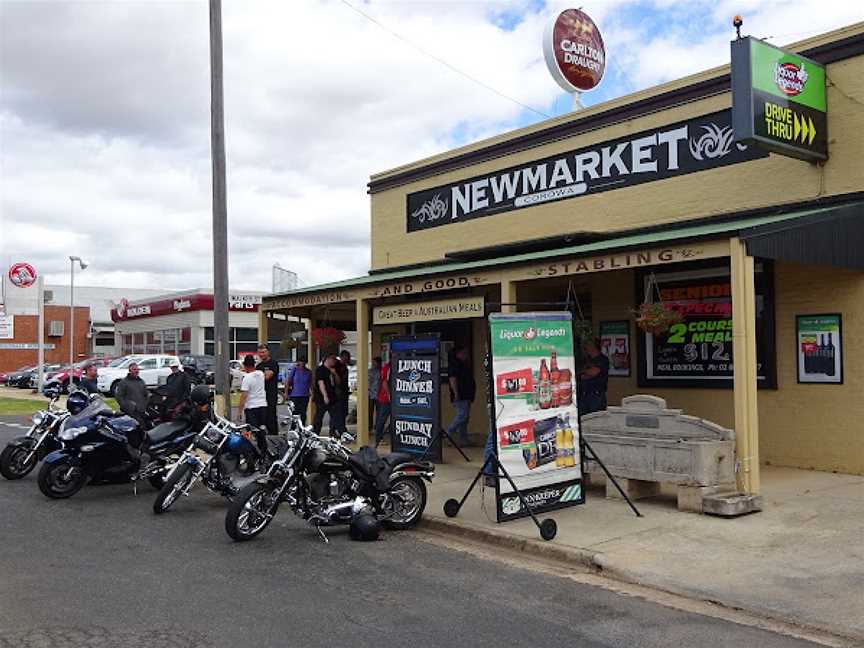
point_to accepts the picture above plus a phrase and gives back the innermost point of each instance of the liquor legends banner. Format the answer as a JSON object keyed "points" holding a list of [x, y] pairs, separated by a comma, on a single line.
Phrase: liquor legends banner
{"points": [[415, 390], [535, 417], [820, 349], [681, 148], [699, 349]]}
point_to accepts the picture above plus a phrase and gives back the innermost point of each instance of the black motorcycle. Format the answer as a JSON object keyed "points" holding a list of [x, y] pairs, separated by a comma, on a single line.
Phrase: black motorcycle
{"points": [[21, 454], [326, 484], [100, 446]]}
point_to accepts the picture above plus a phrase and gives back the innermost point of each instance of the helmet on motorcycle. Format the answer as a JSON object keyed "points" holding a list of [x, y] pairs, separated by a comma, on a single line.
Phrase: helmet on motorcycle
{"points": [[200, 395], [76, 402], [365, 527]]}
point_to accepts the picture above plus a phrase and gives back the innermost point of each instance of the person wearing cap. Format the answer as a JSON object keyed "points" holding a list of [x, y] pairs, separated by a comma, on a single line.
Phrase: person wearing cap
{"points": [[253, 401], [178, 384]]}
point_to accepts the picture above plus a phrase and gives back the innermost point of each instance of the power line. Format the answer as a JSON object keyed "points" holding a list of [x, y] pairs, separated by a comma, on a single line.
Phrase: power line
{"points": [[441, 61]]}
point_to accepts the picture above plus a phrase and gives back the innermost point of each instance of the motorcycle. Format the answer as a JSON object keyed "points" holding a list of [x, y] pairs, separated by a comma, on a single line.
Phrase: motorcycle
{"points": [[21, 454], [326, 484], [218, 451], [101, 446]]}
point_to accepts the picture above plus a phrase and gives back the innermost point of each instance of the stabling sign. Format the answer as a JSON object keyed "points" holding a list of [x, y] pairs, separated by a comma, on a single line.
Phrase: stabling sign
{"points": [[414, 395], [690, 146], [779, 101], [442, 309]]}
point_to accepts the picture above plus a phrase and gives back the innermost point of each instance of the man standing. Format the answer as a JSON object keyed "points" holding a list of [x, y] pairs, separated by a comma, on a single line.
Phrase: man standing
{"points": [[253, 401], [383, 401], [462, 392], [374, 382], [270, 369], [594, 378], [324, 393], [88, 381], [298, 386], [132, 394], [343, 392]]}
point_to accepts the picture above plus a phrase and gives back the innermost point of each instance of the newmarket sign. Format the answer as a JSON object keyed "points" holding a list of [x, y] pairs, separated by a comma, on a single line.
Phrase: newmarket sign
{"points": [[678, 149]]}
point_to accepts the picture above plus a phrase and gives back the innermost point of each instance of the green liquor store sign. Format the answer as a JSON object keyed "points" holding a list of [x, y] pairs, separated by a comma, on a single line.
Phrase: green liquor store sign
{"points": [[778, 100]]}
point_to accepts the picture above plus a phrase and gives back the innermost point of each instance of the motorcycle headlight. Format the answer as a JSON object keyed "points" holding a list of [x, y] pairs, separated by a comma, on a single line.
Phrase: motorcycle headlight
{"points": [[38, 417], [69, 433]]}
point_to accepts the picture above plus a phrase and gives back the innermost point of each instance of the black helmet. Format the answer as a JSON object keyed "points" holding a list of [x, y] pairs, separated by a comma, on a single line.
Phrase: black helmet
{"points": [[200, 395], [76, 402], [365, 527]]}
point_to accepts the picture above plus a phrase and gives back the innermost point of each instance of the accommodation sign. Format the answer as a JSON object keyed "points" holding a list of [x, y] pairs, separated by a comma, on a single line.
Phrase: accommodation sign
{"points": [[677, 149], [778, 100], [442, 309]]}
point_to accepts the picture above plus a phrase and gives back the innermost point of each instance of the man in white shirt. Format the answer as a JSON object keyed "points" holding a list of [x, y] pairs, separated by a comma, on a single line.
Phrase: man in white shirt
{"points": [[253, 401]]}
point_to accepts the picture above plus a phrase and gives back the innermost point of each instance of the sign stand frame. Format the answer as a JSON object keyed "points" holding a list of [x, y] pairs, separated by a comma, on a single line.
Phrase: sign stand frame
{"points": [[437, 439], [548, 527]]}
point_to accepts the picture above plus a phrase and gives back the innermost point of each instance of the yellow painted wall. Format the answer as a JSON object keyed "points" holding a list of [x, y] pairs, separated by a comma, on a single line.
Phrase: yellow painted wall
{"points": [[770, 181]]}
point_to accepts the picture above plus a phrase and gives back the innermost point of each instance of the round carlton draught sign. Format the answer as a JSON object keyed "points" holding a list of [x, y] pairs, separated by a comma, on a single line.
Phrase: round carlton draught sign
{"points": [[574, 51], [22, 275]]}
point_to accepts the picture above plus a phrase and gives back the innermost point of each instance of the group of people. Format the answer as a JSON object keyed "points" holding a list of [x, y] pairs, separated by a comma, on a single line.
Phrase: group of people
{"points": [[328, 387]]}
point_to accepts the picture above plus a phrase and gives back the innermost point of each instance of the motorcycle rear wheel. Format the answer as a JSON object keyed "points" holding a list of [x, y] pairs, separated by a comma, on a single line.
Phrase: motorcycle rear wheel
{"points": [[250, 512], [174, 486], [12, 460], [408, 495], [61, 480]]}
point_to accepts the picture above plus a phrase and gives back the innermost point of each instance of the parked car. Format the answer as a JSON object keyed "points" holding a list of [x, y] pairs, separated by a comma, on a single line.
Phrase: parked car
{"points": [[152, 367], [201, 368], [48, 370], [13, 377], [61, 378], [3, 377]]}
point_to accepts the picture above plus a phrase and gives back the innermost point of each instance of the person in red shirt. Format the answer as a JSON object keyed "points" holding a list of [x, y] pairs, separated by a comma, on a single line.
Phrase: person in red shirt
{"points": [[383, 414]]}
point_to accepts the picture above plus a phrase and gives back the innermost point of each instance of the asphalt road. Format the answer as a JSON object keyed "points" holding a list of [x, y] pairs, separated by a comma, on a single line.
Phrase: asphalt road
{"points": [[101, 570]]}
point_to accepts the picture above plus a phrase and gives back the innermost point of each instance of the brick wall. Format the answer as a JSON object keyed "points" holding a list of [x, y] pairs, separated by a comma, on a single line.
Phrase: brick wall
{"points": [[26, 331]]}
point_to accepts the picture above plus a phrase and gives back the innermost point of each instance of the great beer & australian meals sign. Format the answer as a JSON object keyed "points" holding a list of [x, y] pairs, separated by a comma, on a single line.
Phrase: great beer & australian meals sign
{"points": [[778, 100], [677, 149]]}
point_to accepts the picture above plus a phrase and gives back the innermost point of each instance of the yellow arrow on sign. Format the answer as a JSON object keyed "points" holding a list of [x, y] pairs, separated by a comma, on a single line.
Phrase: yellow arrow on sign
{"points": [[812, 131], [797, 126], [805, 131]]}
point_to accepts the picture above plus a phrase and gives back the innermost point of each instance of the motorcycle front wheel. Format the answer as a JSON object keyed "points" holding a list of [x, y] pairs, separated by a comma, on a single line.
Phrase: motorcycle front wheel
{"points": [[177, 482], [250, 512], [407, 501], [61, 480], [13, 460]]}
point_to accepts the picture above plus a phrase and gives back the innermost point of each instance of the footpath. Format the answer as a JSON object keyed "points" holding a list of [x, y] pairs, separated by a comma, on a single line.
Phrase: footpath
{"points": [[800, 560]]}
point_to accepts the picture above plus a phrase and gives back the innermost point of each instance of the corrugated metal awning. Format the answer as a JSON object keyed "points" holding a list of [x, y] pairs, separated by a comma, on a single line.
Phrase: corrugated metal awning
{"points": [[833, 236]]}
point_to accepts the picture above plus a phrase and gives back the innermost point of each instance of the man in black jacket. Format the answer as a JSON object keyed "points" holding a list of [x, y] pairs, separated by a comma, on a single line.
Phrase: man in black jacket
{"points": [[87, 382], [132, 394]]}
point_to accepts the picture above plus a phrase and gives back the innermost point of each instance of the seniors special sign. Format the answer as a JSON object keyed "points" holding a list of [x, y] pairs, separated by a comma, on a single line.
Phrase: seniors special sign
{"points": [[677, 149], [442, 309]]}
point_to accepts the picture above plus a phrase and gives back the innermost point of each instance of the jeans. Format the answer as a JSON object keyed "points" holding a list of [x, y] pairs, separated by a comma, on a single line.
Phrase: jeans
{"points": [[458, 429], [339, 416], [488, 451], [373, 405], [320, 410], [301, 404], [383, 415], [257, 418]]}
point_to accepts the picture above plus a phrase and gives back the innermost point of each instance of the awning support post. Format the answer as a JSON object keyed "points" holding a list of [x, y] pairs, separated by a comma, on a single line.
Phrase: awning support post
{"points": [[263, 326], [312, 363], [745, 370], [362, 373]]}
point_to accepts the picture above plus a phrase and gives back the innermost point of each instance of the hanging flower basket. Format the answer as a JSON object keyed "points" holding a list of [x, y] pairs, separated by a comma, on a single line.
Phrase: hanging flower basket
{"points": [[328, 338], [582, 329], [656, 317]]}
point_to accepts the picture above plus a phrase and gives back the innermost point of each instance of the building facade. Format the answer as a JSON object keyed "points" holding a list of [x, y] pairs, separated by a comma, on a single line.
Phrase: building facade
{"points": [[646, 199]]}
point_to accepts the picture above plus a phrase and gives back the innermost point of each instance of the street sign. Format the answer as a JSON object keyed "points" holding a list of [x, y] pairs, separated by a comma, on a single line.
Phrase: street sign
{"points": [[779, 100], [22, 275]]}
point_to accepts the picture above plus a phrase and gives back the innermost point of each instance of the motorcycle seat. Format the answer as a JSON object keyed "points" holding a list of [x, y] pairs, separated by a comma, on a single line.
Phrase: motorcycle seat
{"points": [[396, 458], [165, 431]]}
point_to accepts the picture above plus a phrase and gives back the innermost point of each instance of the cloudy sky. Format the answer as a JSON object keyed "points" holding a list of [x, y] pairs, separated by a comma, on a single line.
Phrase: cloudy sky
{"points": [[104, 116]]}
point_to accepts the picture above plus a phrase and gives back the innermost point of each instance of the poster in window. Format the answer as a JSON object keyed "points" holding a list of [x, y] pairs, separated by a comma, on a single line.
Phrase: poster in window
{"points": [[697, 352], [819, 341], [615, 345], [535, 414]]}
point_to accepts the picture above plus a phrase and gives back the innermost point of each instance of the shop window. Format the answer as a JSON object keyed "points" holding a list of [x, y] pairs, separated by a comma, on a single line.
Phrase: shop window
{"points": [[138, 342], [209, 348], [209, 334], [245, 334]]}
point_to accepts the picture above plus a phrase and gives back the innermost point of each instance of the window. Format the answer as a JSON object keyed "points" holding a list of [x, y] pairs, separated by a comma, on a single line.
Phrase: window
{"points": [[245, 334], [149, 363]]}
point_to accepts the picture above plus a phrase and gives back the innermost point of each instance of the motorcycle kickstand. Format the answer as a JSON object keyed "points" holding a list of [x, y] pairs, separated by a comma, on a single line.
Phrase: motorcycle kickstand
{"points": [[321, 533]]}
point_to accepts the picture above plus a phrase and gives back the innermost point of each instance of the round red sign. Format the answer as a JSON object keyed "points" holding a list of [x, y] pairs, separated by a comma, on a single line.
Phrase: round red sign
{"points": [[574, 51], [22, 275]]}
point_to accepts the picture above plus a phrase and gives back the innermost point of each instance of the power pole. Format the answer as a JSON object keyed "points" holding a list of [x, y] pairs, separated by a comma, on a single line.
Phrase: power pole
{"points": [[220, 210]]}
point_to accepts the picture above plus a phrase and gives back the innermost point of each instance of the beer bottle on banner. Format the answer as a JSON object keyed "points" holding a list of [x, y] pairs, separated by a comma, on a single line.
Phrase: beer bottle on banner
{"points": [[545, 386], [830, 353], [554, 378], [822, 353], [560, 451], [565, 387], [808, 358], [570, 453]]}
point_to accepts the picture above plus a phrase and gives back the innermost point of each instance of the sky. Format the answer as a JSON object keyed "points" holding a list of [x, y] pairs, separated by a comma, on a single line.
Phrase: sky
{"points": [[105, 116]]}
